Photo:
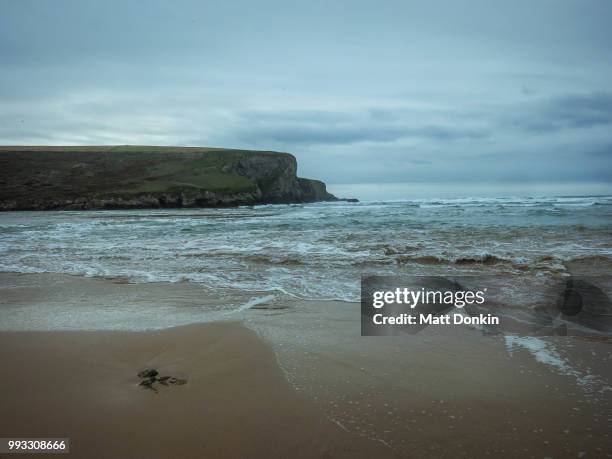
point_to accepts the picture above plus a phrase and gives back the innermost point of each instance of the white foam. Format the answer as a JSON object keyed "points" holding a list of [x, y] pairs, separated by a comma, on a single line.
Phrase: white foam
{"points": [[545, 353], [311, 251], [254, 302]]}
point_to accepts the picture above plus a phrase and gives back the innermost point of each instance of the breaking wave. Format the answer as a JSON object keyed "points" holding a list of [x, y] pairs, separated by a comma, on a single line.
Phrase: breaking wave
{"points": [[315, 250]]}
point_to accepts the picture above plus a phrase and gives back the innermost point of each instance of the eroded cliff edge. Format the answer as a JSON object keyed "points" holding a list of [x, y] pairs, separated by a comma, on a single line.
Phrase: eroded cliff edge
{"points": [[123, 177]]}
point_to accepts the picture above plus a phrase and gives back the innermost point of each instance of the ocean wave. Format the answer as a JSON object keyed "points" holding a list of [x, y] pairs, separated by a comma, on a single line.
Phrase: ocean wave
{"points": [[485, 259], [274, 260], [597, 261], [372, 262], [423, 260], [313, 250], [391, 250]]}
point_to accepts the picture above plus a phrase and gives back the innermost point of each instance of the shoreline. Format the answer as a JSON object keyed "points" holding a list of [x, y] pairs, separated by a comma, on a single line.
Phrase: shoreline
{"points": [[296, 373]]}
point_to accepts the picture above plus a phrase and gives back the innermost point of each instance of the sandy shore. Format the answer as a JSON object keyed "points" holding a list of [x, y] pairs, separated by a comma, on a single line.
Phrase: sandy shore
{"points": [[236, 403], [292, 380]]}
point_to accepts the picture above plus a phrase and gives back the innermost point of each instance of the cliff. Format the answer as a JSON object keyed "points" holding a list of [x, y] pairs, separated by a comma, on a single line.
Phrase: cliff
{"points": [[72, 178]]}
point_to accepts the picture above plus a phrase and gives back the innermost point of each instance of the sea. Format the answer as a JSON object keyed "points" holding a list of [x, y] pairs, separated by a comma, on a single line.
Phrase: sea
{"points": [[316, 251]]}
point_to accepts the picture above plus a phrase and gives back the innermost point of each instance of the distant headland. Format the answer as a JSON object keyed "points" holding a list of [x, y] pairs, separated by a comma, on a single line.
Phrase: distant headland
{"points": [[132, 177]]}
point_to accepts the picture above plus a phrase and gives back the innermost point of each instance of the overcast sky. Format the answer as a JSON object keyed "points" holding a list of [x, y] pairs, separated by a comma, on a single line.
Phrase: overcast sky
{"points": [[507, 95]]}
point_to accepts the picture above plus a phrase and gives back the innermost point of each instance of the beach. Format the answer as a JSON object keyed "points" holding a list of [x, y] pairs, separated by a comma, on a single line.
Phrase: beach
{"points": [[306, 230], [84, 385], [292, 380]]}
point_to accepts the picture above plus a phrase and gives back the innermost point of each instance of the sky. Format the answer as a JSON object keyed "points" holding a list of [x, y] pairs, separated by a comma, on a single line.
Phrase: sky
{"points": [[384, 99]]}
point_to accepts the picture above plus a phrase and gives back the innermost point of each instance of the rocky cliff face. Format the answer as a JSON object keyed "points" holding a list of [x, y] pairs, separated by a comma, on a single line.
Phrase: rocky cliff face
{"points": [[47, 178], [314, 191], [277, 179]]}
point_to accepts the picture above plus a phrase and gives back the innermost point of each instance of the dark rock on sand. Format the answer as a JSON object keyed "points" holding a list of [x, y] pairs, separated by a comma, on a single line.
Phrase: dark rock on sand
{"points": [[150, 377], [148, 384], [148, 373]]}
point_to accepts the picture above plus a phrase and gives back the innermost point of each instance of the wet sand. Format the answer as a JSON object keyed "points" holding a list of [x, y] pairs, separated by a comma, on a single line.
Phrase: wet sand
{"points": [[447, 392], [292, 379], [236, 403]]}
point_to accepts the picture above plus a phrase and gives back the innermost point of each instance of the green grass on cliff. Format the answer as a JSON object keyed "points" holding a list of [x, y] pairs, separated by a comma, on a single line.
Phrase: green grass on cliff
{"points": [[121, 171]]}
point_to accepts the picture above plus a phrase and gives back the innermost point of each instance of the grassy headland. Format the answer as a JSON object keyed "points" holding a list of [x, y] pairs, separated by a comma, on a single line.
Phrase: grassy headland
{"points": [[94, 177]]}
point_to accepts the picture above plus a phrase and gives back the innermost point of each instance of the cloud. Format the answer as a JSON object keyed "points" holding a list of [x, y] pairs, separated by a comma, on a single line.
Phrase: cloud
{"points": [[419, 92], [376, 125], [572, 111]]}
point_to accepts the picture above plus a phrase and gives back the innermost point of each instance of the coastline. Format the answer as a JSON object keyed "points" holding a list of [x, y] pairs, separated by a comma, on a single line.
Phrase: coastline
{"points": [[149, 177], [298, 373], [314, 230]]}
